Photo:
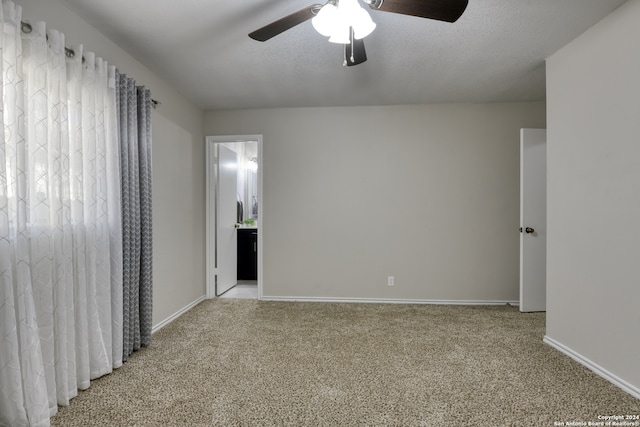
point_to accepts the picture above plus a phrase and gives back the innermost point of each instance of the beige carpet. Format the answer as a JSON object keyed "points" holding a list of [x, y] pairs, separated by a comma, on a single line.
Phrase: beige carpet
{"points": [[250, 363]]}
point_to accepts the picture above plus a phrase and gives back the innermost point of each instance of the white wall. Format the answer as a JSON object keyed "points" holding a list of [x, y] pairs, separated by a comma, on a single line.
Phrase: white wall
{"points": [[428, 194], [593, 280], [178, 168]]}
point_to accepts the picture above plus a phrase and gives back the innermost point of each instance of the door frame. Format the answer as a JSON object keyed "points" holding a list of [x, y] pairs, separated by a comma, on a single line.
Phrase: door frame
{"points": [[210, 208]]}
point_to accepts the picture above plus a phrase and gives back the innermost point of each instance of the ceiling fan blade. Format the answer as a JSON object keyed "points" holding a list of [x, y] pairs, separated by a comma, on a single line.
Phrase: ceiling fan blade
{"points": [[442, 10], [354, 52], [283, 24]]}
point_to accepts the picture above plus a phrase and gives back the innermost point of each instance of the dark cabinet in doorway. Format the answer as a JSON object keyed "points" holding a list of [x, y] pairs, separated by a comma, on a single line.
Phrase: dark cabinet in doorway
{"points": [[247, 254]]}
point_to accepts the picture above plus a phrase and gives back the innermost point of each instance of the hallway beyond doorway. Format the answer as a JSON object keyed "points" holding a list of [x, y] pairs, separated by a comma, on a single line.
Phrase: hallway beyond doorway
{"points": [[245, 289]]}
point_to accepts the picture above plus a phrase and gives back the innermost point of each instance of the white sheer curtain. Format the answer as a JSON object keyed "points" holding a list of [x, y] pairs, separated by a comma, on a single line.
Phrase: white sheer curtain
{"points": [[60, 222]]}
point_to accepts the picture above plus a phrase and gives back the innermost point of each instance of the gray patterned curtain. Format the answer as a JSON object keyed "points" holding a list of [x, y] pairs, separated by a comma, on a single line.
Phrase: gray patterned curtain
{"points": [[134, 123]]}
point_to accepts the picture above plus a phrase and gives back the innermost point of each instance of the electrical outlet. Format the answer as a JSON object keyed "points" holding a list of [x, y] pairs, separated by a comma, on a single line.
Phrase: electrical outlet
{"points": [[391, 281]]}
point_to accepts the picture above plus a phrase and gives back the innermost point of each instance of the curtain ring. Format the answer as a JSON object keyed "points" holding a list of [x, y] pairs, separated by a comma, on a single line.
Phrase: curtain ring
{"points": [[26, 27]]}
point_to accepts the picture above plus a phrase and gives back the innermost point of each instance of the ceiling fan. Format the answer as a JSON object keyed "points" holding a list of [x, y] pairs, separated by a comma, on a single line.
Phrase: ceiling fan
{"points": [[346, 22]]}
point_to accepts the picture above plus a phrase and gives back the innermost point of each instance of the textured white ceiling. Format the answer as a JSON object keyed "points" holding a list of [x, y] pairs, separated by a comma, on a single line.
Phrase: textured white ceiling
{"points": [[495, 52]]}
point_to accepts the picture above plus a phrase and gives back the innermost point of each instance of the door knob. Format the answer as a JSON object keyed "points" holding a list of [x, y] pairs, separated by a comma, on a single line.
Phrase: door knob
{"points": [[529, 230]]}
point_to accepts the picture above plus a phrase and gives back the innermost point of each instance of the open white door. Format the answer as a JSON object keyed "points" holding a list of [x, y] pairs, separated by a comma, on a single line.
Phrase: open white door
{"points": [[226, 218], [533, 219]]}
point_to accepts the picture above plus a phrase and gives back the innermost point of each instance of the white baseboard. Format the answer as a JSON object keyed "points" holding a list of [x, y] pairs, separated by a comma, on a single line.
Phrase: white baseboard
{"points": [[386, 301], [599, 370], [177, 314]]}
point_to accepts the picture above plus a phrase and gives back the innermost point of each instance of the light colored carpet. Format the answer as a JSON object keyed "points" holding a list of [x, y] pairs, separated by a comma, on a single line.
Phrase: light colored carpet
{"points": [[250, 363]]}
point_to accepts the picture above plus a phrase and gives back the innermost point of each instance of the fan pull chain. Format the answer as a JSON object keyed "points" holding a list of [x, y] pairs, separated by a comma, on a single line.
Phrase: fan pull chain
{"points": [[351, 43], [351, 38], [344, 61]]}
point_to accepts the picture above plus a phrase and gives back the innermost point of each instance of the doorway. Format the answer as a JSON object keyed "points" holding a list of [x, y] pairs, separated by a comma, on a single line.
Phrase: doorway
{"points": [[233, 210]]}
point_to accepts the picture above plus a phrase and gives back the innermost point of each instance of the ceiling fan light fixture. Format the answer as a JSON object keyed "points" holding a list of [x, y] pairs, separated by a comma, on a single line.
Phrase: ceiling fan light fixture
{"points": [[340, 36], [335, 22], [324, 21], [364, 25]]}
